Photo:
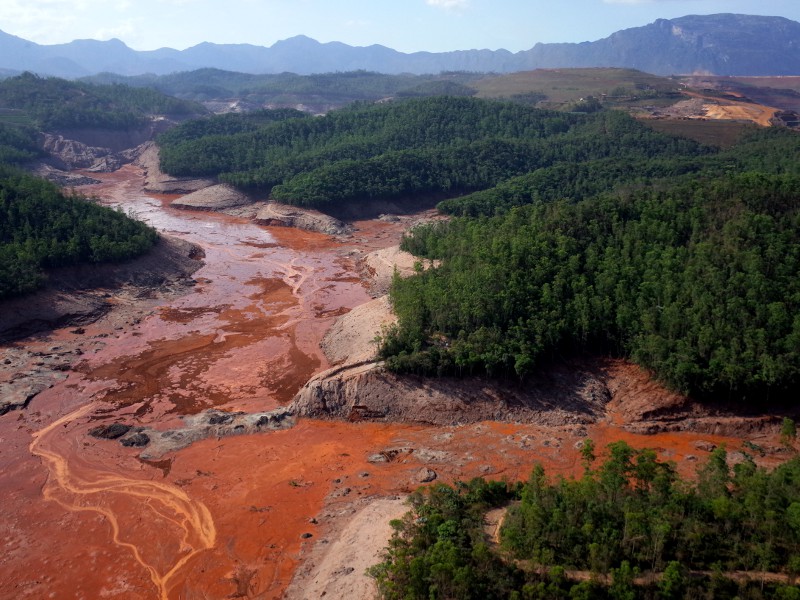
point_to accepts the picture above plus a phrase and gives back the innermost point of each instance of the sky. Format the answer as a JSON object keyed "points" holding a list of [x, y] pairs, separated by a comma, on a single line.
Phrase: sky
{"points": [[404, 25]]}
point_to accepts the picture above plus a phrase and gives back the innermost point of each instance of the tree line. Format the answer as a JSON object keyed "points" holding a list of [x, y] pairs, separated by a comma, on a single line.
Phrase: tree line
{"points": [[53, 103], [629, 528], [442, 146], [337, 89], [42, 228]]}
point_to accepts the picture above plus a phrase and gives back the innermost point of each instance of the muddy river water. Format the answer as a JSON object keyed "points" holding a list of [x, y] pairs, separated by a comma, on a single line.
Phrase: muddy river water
{"points": [[85, 518]]}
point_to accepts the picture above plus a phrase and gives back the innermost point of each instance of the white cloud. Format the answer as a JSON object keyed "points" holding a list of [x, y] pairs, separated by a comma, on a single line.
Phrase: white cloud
{"points": [[448, 4], [47, 21], [642, 1]]}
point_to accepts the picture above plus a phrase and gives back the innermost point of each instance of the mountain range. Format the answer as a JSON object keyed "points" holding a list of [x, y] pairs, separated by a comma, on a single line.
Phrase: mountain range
{"points": [[722, 44]]}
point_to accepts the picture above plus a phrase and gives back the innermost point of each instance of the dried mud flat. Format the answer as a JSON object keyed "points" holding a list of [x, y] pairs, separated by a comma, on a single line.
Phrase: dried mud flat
{"points": [[114, 296]]}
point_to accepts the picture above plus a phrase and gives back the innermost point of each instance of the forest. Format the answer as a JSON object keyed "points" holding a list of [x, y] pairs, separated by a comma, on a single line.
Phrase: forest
{"points": [[18, 143], [42, 228], [438, 147], [338, 89], [629, 528], [573, 233], [52, 103], [694, 276]]}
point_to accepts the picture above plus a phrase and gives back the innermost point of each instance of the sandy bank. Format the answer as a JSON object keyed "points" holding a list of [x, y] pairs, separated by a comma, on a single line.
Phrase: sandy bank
{"points": [[216, 197], [337, 570], [160, 183], [380, 266]]}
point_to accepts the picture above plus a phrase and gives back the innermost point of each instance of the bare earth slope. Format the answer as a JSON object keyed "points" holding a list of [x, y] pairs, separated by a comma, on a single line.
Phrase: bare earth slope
{"points": [[337, 570], [78, 295]]}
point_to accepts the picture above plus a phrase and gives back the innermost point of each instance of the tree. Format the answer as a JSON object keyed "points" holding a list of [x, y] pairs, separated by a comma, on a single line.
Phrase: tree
{"points": [[788, 432]]}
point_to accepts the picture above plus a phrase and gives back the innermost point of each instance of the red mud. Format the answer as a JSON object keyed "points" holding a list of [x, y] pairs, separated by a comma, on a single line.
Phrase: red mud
{"points": [[84, 518]]}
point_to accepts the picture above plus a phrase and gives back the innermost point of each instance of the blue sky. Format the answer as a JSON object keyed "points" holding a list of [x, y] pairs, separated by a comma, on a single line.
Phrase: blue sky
{"points": [[405, 25]]}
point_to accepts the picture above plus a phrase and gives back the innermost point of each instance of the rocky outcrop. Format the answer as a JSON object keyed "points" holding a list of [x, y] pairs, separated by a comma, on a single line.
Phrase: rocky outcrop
{"points": [[291, 216], [17, 393], [61, 178], [27, 373], [68, 154], [210, 423], [157, 182], [215, 198], [110, 432], [370, 392]]}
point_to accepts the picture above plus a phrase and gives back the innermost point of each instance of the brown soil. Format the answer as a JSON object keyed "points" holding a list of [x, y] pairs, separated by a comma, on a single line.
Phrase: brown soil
{"points": [[730, 108], [226, 517]]}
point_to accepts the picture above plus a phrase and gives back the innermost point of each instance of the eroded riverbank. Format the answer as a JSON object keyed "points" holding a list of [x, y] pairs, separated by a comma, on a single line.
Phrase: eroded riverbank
{"points": [[235, 516]]}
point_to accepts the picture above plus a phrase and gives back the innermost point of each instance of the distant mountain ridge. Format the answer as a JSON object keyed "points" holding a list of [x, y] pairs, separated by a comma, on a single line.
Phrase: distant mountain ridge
{"points": [[722, 44]]}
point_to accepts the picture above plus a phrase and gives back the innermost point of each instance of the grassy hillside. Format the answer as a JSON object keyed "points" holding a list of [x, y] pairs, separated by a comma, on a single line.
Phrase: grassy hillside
{"points": [[559, 87]]}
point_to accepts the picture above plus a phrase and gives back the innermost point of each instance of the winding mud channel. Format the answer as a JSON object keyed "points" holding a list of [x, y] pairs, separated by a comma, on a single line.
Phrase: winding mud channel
{"points": [[86, 518]]}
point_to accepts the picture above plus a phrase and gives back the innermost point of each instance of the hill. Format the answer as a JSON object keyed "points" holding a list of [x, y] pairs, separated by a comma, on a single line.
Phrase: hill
{"points": [[52, 103], [401, 151], [723, 44], [225, 91]]}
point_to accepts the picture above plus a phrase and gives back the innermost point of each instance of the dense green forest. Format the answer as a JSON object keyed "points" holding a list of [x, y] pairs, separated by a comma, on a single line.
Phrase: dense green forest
{"points": [[577, 233], [40, 228], [337, 89], [602, 535], [53, 103], [687, 266], [18, 143], [442, 146]]}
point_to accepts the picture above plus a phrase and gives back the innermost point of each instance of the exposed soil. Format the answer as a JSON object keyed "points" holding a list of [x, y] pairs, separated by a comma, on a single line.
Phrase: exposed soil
{"points": [[158, 182], [230, 514], [729, 107], [284, 215], [216, 197]]}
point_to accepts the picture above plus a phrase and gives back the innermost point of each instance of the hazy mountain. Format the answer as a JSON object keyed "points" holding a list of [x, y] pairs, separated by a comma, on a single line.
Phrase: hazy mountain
{"points": [[723, 44]]}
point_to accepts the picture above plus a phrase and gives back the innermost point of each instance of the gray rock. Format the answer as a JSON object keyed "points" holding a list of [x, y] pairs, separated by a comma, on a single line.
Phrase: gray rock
{"points": [[425, 475], [137, 440], [110, 432], [291, 216], [216, 197], [705, 445]]}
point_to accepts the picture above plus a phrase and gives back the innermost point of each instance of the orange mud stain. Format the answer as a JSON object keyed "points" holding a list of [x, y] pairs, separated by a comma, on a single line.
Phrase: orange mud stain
{"points": [[85, 518]]}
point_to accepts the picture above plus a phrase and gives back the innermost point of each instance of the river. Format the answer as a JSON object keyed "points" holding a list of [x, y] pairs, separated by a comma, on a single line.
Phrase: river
{"points": [[85, 518]]}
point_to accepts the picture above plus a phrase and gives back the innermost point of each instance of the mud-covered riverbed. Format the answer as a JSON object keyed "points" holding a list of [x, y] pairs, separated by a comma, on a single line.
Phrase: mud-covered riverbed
{"points": [[233, 516]]}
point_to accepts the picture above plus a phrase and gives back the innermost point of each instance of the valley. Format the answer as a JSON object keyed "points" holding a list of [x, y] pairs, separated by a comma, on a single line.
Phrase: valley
{"points": [[248, 325], [238, 516]]}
